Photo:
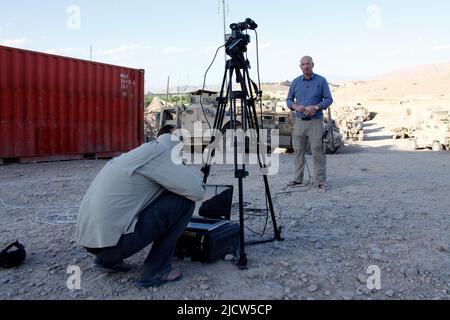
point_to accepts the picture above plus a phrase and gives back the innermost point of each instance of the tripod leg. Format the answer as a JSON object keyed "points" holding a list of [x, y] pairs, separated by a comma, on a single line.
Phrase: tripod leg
{"points": [[242, 262], [218, 123], [276, 230], [255, 125]]}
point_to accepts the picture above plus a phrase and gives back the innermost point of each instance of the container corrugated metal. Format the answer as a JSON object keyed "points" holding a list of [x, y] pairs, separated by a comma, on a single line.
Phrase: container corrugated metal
{"points": [[54, 107]]}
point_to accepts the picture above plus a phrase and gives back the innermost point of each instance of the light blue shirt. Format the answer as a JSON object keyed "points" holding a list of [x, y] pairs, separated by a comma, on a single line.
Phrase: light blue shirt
{"points": [[312, 92]]}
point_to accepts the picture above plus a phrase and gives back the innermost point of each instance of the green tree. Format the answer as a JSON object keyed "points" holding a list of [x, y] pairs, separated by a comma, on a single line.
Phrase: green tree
{"points": [[148, 99]]}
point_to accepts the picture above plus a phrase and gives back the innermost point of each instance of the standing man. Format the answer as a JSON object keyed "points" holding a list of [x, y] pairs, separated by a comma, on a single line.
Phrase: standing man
{"points": [[309, 95], [139, 198]]}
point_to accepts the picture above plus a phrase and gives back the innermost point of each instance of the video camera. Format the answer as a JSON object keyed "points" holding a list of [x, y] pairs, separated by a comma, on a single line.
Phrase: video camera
{"points": [[236, 42], [247, 24]]}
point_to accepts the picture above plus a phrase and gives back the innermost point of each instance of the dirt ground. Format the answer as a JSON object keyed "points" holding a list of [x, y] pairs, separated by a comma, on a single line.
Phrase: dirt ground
{"points": [[387, 207]]}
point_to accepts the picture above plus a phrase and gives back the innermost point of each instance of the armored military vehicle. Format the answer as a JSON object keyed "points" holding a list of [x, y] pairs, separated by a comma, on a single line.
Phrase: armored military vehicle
{"points": [[332, 138], [152, 114], [197, 117], [332, 141], [191, 118], [350, 119], [280, 118], [433, 131]]}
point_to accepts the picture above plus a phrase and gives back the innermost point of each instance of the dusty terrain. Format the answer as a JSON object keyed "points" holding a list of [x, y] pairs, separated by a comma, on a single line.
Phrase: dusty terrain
{"points": [[387, 207]]}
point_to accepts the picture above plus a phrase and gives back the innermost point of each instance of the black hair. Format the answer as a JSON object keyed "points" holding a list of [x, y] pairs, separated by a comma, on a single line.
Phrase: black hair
{"points": [[168, 128]]}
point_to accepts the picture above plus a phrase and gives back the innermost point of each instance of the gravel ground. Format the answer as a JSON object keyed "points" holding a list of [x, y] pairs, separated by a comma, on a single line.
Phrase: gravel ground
{"points": [[387, 207]]}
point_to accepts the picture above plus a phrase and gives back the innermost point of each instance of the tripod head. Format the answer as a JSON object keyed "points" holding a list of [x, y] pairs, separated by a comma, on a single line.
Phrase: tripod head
{"points": [[237, 41]]}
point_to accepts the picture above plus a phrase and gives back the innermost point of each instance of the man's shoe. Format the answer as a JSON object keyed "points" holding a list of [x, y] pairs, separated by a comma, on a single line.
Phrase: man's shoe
{"points": [[294, 184], [172, 276], [118, 267]]}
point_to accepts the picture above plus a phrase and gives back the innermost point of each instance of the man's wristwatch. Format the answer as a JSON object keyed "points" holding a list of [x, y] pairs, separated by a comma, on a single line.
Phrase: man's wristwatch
{"points": [[317, 108]]}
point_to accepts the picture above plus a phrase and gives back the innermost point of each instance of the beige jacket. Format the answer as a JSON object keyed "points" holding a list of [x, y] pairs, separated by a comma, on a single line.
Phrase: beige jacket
{"points": [[128, 184]]}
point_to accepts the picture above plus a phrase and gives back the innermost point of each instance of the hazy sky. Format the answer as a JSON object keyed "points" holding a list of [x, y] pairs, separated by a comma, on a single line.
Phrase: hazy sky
{"points": [[177, 38]]}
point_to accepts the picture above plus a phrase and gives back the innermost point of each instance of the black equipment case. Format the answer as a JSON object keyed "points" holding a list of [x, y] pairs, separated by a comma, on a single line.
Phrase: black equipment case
{"points": [[209, 245]]}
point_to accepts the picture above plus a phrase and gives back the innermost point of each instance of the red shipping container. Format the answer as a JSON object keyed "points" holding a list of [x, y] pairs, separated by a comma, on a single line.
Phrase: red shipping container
{"points": [[60, 108]]}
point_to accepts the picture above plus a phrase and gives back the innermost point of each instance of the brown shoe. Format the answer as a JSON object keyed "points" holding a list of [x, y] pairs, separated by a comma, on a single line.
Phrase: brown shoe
{"points": [[294, 184]]}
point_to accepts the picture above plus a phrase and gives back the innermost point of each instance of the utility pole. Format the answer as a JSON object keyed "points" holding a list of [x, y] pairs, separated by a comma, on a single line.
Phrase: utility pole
{"points": [[167, 99], [224, 18]]}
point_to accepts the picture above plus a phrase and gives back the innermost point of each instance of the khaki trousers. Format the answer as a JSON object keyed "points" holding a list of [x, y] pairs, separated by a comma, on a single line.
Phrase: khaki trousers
{"points": [[311, 131]]}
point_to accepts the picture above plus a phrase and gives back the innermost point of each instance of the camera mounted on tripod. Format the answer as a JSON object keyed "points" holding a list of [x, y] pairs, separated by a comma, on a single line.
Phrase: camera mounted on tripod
{"points": [[240, 103], [236, 42]]}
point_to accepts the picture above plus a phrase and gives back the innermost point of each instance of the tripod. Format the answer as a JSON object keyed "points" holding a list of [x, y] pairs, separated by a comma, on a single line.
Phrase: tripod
{"points": [[242, 100]]}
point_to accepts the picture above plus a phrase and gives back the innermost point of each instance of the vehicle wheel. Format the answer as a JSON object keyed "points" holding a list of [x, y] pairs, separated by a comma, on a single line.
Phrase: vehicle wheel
{"points": [[334, 150], [413, 144], [437, 146]]}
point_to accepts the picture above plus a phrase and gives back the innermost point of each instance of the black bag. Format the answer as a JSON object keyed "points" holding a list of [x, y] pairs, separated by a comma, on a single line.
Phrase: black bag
{"points": [[209, 246], [12, 258], [219, 206]]}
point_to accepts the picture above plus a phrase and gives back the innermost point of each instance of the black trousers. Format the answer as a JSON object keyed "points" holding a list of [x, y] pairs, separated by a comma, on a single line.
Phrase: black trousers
{"points": [[161, 223]]}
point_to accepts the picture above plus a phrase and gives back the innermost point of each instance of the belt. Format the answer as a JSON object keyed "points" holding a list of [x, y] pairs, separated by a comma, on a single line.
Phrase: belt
{"points": [[305, 119]]}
